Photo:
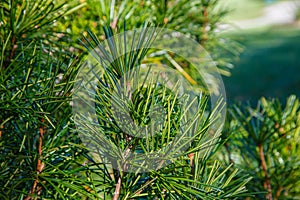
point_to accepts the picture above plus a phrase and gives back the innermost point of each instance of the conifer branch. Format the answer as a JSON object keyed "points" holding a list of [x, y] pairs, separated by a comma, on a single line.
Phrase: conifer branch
{"points": [[267, 182], [40, 165]]}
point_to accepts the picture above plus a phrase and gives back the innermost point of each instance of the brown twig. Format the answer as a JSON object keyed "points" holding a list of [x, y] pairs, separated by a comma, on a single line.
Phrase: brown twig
{"points": [[39, 166], [124, 167], [114, 23], [192, 165], [278, 192], [267, 181], [118, 188], [1, 127], [12, 52]]}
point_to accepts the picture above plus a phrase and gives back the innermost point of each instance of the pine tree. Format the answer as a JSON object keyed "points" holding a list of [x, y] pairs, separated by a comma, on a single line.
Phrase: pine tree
{"points": [[42, 155], [265, 143]]}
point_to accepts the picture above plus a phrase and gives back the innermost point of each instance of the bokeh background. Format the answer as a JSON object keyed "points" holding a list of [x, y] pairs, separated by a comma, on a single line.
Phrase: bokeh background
{"points": [[269, 31]]}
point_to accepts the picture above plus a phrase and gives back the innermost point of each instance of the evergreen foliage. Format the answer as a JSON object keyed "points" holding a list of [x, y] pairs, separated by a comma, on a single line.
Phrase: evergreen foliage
{"points": [[42, 155]]}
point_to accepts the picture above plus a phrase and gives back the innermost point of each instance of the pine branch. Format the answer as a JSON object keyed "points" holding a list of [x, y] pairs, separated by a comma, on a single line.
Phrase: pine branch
{"points": [[1, 127], [192, 164], [117, 189], [267, 182], [114, 23], [12, 52], [278, 192], [40, 166]]}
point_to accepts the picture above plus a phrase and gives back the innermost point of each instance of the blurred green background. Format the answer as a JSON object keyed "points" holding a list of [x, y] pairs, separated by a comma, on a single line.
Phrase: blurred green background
{"points": [[270, 63]]}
